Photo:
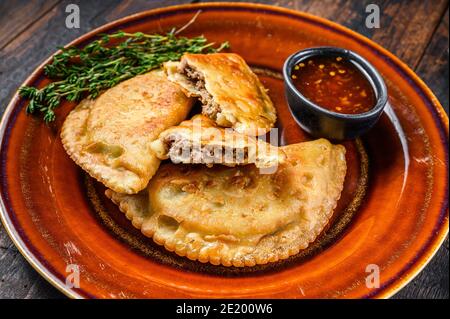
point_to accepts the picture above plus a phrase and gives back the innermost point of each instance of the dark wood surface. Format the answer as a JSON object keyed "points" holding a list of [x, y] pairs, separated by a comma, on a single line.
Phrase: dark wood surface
{"points": [[414, 30]]}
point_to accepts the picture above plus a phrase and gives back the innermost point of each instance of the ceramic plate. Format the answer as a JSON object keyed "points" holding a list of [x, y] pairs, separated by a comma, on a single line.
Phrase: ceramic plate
{"points": [[393, 213]]}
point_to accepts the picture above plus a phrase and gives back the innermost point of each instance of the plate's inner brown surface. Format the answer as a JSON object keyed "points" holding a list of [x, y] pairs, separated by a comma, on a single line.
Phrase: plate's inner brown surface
{"points": [[393, 211], [288, 132]]}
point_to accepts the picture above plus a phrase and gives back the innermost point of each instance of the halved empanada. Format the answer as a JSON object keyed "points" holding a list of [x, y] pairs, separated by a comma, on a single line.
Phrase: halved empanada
{"points": [[110, 137], [201, 141], [231, 93], [236, 216]]}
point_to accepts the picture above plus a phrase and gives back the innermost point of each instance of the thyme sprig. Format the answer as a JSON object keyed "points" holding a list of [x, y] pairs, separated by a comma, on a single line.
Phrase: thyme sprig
{"points": [[102, 64]]}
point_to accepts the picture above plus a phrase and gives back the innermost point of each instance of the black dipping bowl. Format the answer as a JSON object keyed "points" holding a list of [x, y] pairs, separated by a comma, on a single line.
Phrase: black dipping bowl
{"points": [[320, 122]]}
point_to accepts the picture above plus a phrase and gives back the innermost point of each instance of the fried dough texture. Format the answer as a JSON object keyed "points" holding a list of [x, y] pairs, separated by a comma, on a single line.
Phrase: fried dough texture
{"points": [[110, 137], [231, 94], [236, 216], [200, 141]]}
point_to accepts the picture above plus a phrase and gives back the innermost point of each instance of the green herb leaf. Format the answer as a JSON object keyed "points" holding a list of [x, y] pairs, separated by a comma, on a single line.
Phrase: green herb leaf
{"points": [[102, 64]]}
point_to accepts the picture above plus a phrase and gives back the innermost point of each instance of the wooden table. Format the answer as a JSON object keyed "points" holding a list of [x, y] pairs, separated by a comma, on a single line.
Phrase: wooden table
{"points": [[416, 31]]}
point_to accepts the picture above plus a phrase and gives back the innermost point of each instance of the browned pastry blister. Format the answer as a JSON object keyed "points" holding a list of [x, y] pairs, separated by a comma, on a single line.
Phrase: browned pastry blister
{"points": [[231, 94], [200, 141], [110, 137], [237, 216]]}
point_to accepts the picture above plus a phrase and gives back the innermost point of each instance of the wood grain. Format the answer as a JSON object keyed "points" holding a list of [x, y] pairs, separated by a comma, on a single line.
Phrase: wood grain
{"points": [[433, 281], [16, 18], [26, 51], [18, 59], [411, 25], [414, 30], [405, 26], [433, 67]]}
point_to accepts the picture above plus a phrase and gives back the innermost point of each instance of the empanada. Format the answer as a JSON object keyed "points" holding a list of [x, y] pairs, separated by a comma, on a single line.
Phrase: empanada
{"points": [[110, 137], [201, 141], [236, 216], [230, 92]]}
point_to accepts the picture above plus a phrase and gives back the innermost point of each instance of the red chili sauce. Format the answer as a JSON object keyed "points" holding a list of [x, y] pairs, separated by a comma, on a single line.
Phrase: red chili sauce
{"points": [[334, 83]]}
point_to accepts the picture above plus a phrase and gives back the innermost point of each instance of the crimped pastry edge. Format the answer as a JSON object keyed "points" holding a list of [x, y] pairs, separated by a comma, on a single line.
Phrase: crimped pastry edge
{"points": [[84, 163], [255, 258]]}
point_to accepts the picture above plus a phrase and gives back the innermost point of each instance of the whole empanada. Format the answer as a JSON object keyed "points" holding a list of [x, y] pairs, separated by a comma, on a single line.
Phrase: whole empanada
{"points": [[236, 216], [110, 137], [231, 93], [200, 141]]}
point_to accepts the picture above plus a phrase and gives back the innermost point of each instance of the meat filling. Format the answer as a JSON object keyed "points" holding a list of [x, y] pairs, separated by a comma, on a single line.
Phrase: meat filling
{"points": [[210, 108], [183, 151]]}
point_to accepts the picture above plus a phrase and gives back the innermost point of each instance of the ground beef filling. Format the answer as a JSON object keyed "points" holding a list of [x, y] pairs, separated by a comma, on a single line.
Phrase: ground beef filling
{"points": [[210, 108], [182, 151]]}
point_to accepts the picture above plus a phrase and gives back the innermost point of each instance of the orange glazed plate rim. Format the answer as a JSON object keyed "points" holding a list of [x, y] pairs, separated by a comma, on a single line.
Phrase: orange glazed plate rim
{"points": [[427, 251]]}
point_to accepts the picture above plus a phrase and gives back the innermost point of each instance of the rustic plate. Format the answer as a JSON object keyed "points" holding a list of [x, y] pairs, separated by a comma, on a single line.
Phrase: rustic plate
{"points": [[57, 216]]}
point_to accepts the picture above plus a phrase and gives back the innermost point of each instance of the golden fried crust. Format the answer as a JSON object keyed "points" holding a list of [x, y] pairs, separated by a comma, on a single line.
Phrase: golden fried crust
{"points": [[203, 133], [243, 100], [236, 216], [110, 137]]}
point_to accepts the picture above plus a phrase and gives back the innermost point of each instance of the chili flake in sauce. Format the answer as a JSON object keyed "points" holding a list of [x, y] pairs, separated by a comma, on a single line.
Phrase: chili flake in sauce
{"points": [[334, 83]]}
